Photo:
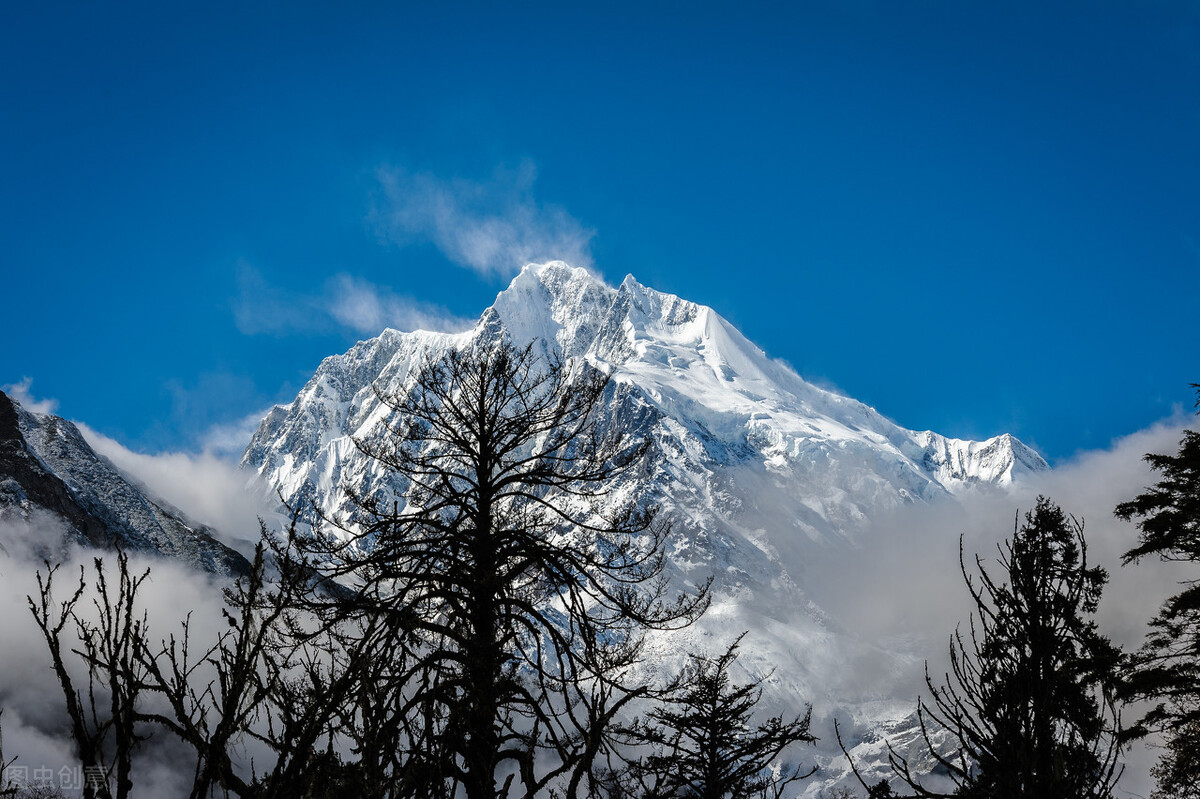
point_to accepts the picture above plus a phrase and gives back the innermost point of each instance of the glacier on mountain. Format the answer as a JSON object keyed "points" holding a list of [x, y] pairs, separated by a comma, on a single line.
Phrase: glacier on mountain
{"points": [[757, 470], [713, 402]]}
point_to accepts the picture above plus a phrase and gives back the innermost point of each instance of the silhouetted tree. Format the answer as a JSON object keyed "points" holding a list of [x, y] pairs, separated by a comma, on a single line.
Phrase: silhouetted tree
{"points": [[702, 744], [281, 674], [211, 694], [217, 693], [881, 790], [107, 724], [517, 605], [1029, 703], [483, 627], [6, 786], [1177, 773], [1166, 670]]}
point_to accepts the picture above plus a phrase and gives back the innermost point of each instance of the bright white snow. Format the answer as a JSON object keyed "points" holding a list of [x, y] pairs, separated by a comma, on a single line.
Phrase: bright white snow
{"points": [[758, 471]]}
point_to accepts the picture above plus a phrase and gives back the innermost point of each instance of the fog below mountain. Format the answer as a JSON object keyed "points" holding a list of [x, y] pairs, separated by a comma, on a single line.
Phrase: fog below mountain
{"points": [[832, 532], [896, 593]]}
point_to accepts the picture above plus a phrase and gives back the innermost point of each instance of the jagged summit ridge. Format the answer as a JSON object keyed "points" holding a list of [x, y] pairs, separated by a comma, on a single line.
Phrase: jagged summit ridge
{"points": [[714, 403], [755, 469]]}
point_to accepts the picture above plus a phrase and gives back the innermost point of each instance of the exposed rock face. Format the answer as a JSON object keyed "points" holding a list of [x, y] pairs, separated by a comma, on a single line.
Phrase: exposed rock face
{"points": [[46, 467]]}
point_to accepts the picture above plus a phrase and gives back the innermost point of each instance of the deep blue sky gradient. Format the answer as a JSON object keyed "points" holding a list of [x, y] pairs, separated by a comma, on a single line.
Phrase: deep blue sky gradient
{"points": [[977, 217]]}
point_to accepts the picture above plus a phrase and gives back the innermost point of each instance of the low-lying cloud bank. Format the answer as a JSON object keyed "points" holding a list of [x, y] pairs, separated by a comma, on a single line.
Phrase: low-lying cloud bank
{"points": [[900, 588], [207, 488], [911, 557], [34, 722], [904, 581]]}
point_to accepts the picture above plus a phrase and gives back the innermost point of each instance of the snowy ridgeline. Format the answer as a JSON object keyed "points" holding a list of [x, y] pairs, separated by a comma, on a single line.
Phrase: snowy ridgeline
{"points": [[760, 474], [49, 471], [714, 404]]}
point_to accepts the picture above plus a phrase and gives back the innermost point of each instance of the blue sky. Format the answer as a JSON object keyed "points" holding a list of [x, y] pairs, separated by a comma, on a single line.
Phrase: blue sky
{"points": [[977, 217]]}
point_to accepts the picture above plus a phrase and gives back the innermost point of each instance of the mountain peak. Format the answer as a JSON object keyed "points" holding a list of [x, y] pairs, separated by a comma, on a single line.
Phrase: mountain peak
{"points": [[706, 393], [47, 467], [555, 303], [554, 277], [631, 284], [754, 470]]}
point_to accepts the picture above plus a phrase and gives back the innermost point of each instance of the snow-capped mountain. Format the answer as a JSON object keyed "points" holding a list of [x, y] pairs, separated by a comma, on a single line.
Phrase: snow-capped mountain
{"points": [[728, 423], [755, 468], [48, 472]]}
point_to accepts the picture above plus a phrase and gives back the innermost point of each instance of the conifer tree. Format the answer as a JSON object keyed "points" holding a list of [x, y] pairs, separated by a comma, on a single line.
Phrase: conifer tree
{"points": [[1029, 702], [702, 743], [1166, 670]]}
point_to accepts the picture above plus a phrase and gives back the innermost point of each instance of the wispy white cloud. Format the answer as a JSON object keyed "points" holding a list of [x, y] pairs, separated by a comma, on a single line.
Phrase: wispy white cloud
{"points": [[345, 302], [20, 391], [207, 412], [493, 226], [367, 308], [205, 486], [228, 440]]}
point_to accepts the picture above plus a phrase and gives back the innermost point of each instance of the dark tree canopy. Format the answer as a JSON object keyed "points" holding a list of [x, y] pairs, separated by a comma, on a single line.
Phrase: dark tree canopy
{"points": [[1029, 702], [522, 602], [1166, 670], [702, 743]]}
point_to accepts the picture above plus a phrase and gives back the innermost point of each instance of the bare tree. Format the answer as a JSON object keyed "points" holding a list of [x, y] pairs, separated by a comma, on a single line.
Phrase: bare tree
{"points": [[475, 636], [107, 724], [518, 605], [277, 674], [6, 786], [215, 697]]}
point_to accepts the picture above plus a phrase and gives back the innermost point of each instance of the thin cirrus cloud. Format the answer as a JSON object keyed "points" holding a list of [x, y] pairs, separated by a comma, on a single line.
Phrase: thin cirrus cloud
{"points": [[366, 308], [493, 226], [346, 302]]}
